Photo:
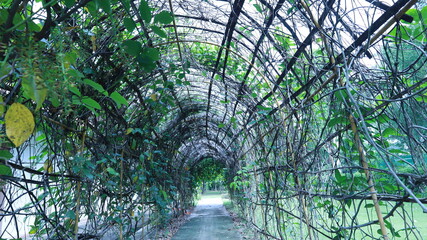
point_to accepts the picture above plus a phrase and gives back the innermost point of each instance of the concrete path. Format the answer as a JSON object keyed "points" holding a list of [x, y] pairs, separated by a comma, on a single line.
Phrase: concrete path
{"points": [[209, 221]]}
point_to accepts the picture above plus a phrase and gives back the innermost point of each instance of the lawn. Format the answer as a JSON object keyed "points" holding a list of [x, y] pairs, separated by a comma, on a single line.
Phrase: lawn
{"points": [[414, 228]]}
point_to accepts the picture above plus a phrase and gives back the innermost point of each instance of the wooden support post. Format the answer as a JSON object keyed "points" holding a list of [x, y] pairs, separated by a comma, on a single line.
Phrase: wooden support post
{"points": [[78, 191], [368, 175]]}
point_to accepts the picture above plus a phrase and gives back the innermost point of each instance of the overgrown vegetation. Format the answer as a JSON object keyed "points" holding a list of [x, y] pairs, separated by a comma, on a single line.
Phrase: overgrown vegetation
{"points": [[115, 112]]}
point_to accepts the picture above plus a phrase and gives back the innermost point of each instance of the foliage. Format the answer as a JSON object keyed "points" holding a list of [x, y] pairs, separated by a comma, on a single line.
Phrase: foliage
{"points": [[19, 123], [115, 111], [208, 170]]}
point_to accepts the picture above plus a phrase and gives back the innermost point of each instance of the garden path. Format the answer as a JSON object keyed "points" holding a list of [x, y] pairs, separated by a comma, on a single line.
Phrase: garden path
{"points": [[209, 221]]}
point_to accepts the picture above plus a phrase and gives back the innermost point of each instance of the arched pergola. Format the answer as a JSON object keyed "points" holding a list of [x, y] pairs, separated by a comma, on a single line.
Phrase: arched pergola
{"points": [[317, 109]]}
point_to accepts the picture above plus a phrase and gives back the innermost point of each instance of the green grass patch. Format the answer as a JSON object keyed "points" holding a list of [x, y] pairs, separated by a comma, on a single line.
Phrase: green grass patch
{"points": [[407, 222], [213, 194]]}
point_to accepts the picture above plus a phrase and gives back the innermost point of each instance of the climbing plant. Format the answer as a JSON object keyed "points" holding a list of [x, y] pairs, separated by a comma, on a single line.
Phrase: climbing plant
{"points": [[113, 112]]}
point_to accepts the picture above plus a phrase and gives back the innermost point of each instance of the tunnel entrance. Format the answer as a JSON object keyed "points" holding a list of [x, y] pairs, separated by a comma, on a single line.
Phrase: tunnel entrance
{"points": [[210, 175]]}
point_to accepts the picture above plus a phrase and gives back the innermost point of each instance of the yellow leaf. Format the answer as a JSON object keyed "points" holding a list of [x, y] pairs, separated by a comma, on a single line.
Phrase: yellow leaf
{"points": [[19, 123], [153, 97], [93, 39], [47, 166], [67, 153], [128, 131]]}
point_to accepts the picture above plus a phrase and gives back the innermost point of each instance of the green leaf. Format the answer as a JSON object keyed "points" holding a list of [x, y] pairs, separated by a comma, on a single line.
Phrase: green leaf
{"points": [[87, 172], [340, 178], [421, 98], [5, 155], [105, 5], [146, 63], [33, 26], [33, 230], [165, 195], [71, 58], [383, 118], [413, 13], [341, 95], [2, 107], [151, 53], [369, 205], [4, 14], [147, 58], [69, 3], [348, 202], [338, 120], [424, 14], [389, 187], [126, 5], [92, 7], [258, 8], [164, 17], [132, 47], [389, 131], [112, 171], [145, 11], [70, 214], [159, 32], [75, 90], [5, 68], [42, 137], [404, 33], [264, 108], [91, 103], [18, 20], [34, 88], [129, 24], [54, 100], [75, 73], [119, 99], [5, 170], [96, 86], [398, 151]]}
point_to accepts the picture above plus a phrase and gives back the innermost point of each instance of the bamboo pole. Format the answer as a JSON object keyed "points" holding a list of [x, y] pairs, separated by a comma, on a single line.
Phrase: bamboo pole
{"points": [[358, 142], [77, 212], [353, 124], [78, 192], [368, 175], [121, 196]]}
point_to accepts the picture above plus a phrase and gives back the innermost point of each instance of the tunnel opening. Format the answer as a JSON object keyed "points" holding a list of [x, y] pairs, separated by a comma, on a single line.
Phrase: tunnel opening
{"points": [[209, 175], [114, 114]]}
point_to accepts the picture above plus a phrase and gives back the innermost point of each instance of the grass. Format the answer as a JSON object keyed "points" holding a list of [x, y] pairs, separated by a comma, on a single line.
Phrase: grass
{"points": [[410, 211], [414, 227], [208, 194], [213, 194], [246, 232]]}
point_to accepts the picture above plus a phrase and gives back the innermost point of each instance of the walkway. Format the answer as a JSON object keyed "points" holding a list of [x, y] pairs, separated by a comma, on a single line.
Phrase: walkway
{"points": [[209, 221]]}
